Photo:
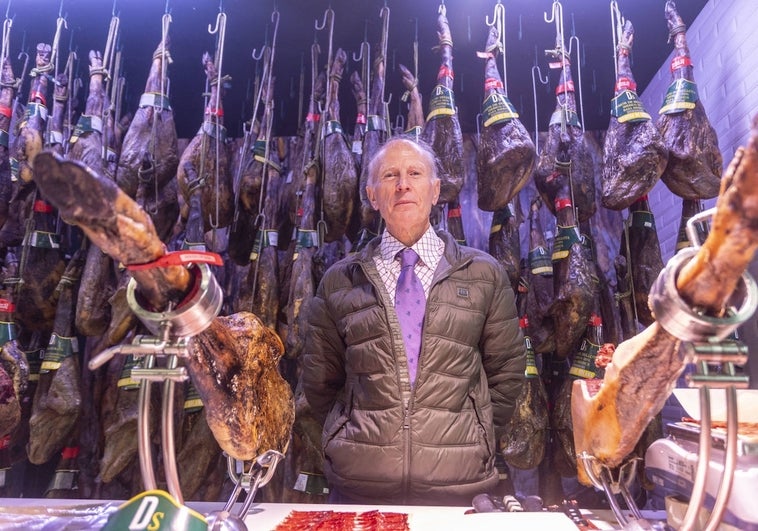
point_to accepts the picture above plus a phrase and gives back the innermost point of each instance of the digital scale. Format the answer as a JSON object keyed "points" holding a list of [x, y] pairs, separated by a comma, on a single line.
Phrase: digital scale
{"points": [[671, 464]]}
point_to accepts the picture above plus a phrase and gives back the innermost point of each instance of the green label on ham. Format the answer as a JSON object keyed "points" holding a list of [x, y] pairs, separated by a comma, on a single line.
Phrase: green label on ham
{"points": [[497, 108], [627, 107], [540, 262], [584, 360], [57, 350], [681, 95], [566, 237], [7, 332], [192, 401], [531, 365], [311, 483], [35, 358], [566, 116], [155, 510], [125, 380], [642, 219], [43, 240], [441, 103]]}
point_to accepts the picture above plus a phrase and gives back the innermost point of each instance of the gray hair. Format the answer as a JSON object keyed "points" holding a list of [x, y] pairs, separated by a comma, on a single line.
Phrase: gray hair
{"points": [[423, 149]]}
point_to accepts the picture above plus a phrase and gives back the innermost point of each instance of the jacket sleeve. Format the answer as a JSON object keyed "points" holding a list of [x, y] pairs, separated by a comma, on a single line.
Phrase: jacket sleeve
{"points": [[503, 350], [323, 369]]}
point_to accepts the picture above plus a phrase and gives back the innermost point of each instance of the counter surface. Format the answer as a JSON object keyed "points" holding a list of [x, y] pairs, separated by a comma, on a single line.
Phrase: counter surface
{"points": [[29, 514]]}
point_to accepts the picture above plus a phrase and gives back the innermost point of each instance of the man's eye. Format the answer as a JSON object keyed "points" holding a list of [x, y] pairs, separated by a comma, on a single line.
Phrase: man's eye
{"points": [[388, 176]]}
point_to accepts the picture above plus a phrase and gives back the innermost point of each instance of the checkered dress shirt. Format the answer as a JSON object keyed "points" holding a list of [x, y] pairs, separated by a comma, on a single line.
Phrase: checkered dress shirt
{"points": [[429, 248]]}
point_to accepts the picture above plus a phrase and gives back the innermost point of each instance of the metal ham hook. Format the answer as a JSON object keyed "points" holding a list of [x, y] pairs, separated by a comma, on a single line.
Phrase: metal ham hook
{"points": [[536, 68]]}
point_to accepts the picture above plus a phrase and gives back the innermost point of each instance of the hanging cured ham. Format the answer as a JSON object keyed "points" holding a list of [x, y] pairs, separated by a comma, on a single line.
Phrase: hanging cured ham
{"points": [[259, 289], [609, 421], [99, 277], [505, 156], [442, 130], [233, 363], [203, 166], [695, 163], [573, 284], [642, 251], [376, 135], [149, 151], [415, 121], [566, 158], [340, 180], [634, 155], [505, 244], [539, 280], [57, 399], [7, 93]]}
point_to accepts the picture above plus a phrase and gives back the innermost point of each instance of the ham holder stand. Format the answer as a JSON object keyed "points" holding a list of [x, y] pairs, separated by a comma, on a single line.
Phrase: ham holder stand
{"points": [[173, 330], [709, 344]]}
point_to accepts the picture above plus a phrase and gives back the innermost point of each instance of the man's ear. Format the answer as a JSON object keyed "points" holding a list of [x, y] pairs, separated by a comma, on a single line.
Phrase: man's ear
{"points": [[371, 197]]}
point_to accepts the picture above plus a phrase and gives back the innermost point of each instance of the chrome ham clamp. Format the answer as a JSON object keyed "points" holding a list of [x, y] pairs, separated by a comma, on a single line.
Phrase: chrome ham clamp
{"points": [[707, 343], [173, 330], [260, 473]]}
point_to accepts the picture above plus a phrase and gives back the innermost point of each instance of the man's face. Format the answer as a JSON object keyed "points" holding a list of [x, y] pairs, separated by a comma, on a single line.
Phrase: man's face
{"points": [[404, 192]]}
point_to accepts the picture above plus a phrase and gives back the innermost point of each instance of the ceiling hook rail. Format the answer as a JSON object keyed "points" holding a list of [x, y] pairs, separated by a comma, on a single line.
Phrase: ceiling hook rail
{"points": [[328, 19], [220, 31], [269, 124], [5, 49], [384, 14], [536, 69], [60, 23], [574, 38], [617, 28], [556, 17], [110, 45], [364, 56], [165, 25]]}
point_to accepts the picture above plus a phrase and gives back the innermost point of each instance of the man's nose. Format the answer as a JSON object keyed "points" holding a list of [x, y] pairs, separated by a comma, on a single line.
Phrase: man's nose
{"points": [[403, 182]]}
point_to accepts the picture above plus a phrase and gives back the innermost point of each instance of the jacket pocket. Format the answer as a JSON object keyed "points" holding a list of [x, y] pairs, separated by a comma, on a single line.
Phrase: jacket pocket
{"points": [[336, 420], [485, 431]]}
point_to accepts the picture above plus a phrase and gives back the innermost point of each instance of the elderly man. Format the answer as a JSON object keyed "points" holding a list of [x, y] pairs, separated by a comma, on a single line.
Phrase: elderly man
{"points": [[414, 357]]}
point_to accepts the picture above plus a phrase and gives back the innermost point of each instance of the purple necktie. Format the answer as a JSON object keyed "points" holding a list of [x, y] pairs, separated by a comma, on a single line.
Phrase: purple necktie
{"points": [[410, 304]]}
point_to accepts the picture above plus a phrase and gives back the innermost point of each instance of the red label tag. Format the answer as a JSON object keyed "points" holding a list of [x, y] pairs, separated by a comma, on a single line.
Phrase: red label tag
{"points": [[312, 117], [37, 95], [454, 213], [5, 111], [595, 320], [560, 204], [492, 83], [5, 442], [42, 207], [445, 72], [71, 452], [523, 322], [680, 62], [624, 83], [564, 87], [6, 306], [214, 112], [641, 198], [178, 258], [360, 118]]}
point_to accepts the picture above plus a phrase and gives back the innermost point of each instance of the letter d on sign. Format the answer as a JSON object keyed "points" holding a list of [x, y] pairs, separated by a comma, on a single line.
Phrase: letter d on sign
{"points": [[144, 513]]}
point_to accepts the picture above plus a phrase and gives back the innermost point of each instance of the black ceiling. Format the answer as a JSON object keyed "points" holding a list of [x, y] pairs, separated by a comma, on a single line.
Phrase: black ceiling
{"points": [[249, 26]]}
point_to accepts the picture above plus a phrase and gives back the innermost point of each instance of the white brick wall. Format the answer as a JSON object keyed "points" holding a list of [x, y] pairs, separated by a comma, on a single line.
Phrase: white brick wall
{"points": [[723, 43]]}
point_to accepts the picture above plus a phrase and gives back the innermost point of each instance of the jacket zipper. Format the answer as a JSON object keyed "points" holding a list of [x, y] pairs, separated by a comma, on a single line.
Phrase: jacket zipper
{"points": [[407, 450], [408, 406]]}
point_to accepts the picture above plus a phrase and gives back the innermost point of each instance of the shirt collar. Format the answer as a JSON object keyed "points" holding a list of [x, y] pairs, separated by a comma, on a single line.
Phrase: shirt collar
{"points": [[429, 247]]}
